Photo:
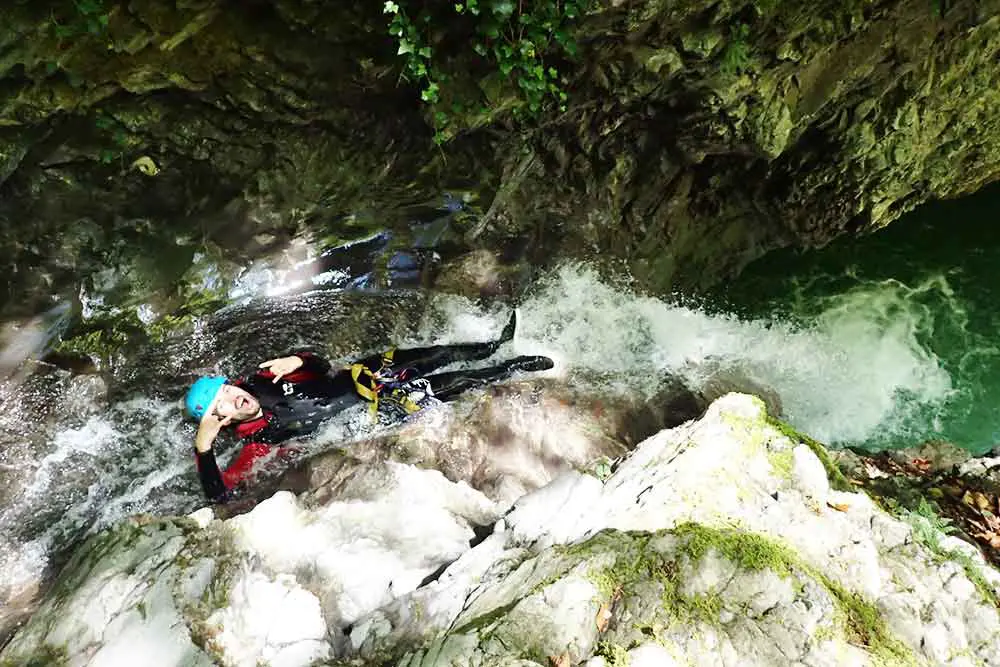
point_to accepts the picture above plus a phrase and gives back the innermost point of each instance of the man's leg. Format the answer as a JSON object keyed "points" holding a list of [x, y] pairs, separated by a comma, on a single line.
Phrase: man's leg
{"points": [[425, 359], [447, 386]]}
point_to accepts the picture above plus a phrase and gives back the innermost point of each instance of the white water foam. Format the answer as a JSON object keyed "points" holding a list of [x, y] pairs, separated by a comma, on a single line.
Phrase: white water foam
{"points": [[127, 462], [852, 370], [856, 370]]}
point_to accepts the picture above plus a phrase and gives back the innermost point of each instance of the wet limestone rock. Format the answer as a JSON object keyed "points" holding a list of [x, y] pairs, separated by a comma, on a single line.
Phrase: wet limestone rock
{"points": [[702, 134], [720, 539], [141, 588]]}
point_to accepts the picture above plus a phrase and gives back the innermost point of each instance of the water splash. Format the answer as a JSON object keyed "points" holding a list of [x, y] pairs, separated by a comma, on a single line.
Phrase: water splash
{"points": [[855, 372]]}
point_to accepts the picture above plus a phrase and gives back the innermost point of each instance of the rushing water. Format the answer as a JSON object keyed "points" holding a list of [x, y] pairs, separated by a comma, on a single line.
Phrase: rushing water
{"points": [[883, 341], [928, 283]]}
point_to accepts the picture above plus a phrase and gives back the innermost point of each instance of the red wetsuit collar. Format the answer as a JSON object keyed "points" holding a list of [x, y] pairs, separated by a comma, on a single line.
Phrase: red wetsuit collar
{"points": [[248, 428]]}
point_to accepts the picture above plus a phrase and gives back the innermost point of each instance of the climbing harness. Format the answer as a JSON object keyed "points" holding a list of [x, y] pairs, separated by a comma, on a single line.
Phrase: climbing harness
{"points": [[379, 381]]}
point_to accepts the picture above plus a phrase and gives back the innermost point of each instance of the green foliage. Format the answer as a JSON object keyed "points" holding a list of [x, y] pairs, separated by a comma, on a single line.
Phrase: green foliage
{"points": [[736, 55], [88, 17], [928, 526], [109, 127], [614, 655], [521, 42]]}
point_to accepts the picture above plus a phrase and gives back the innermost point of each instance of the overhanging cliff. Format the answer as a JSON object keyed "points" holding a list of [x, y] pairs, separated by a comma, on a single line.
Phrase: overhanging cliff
{"points": [[696, 135]]}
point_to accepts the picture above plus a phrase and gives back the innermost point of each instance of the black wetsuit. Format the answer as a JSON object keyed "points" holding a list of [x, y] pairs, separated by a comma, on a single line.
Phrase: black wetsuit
{"points": [[299, 403]]}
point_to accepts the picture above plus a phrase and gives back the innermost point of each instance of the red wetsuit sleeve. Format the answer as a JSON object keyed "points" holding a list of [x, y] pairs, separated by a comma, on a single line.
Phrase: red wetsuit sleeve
{"points": [[243, 464]]}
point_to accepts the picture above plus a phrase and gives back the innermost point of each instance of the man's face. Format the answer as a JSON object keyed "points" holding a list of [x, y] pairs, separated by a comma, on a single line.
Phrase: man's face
{"points": [[231, 401]]}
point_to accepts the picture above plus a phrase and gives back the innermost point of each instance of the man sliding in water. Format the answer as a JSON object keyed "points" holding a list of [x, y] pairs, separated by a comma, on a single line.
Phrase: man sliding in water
{"points": [[292, 396]]}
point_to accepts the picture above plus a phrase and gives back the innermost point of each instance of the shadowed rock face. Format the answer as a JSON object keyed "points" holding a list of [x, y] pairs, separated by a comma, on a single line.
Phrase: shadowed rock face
{"points": [[713, 132], [168, 125], [698, 135], [512, 439]]}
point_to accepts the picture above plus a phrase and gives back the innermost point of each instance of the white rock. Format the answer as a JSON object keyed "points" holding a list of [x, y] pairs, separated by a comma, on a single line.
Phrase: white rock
{"points": [[202, 517], [652, 655], [809, 473], [266, 617], [699, 549]]}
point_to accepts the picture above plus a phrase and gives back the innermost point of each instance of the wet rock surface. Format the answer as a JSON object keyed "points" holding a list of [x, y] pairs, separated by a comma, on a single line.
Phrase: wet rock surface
{"points": [[719, 538]]}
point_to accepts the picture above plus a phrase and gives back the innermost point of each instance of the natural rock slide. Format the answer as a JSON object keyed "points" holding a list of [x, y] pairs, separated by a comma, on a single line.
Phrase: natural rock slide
{"points": [[728, 539]]}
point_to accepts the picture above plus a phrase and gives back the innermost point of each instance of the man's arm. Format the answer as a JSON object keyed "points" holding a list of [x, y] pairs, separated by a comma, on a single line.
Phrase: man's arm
{"points": [[295, 367], [313, 363], [210, 476], [208, 469]]}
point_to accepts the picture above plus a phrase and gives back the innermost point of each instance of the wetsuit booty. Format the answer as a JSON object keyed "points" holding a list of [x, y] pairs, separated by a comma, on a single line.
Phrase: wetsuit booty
{"points": [[508, 330], [529, 363]]}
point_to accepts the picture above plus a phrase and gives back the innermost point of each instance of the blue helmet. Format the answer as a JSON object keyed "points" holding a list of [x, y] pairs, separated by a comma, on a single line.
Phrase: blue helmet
{"points": [[201, 394]]}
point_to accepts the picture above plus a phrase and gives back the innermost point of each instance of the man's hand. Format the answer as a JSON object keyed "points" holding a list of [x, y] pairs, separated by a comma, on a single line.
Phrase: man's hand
{"points": [[208, 430], [282, 366]]}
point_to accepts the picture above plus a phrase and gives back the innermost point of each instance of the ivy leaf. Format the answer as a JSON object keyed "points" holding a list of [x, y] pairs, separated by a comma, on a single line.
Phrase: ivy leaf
{"points": [[425, 52], [404, 47], [88, 7], [390, 7], [503, 8], [430, 93]]}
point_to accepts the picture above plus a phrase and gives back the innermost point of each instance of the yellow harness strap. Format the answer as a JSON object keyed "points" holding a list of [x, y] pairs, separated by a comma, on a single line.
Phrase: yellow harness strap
{"points": [[371, 391]]}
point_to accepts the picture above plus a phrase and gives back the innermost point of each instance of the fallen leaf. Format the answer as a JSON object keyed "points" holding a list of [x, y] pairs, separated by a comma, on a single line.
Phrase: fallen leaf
{"points": [[990, 538], [559, 660], [603, 617], [982, 500], [840, 507]]}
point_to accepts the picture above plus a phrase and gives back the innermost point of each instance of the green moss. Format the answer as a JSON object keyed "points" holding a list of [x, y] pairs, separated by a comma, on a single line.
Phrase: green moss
{"points": [[862, 622], [704, 607], [782, 462], [614, 654], [605, 581], [622, 562], [974, 574], [486, 620], [837, 479], [636, 561], [864, 626], [750, 551], [46, 656], [928, 527]]}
